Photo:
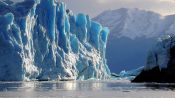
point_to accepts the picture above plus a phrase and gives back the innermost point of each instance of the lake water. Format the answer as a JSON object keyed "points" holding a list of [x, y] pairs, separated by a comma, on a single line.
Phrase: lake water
{"points": [[86, 89]]}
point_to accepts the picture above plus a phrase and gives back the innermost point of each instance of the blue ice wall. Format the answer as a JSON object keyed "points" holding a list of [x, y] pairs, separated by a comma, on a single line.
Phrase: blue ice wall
{"points": [[41, 39]]}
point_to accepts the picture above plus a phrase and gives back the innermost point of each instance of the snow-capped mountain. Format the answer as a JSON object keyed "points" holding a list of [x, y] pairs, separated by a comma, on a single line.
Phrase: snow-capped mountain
{"points": [[41, 39], [133, 32]]}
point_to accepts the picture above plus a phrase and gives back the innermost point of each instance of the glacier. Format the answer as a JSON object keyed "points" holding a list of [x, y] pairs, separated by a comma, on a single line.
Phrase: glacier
{"points": [[160, 62], [160, 54], [42, 40]]}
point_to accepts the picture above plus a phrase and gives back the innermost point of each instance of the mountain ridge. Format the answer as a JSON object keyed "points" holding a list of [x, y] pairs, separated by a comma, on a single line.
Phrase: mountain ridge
{"points": [[129, 16], [137, 30]]}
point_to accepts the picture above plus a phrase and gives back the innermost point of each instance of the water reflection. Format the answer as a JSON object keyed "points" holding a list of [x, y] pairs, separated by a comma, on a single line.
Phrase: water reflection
{"points": [[90, 85], [50, 86], [162, 86], [81, 86]]}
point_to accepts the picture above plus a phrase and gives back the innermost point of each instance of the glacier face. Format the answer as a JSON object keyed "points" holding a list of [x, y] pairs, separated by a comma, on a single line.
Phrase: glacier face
{"points": [[133, 33], [41, 39], [160, 62], [161, 54]]}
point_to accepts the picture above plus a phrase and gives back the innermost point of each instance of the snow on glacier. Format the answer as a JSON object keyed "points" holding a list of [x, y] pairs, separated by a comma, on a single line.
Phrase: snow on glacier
{"points": [[159, 55], [41, 39]]}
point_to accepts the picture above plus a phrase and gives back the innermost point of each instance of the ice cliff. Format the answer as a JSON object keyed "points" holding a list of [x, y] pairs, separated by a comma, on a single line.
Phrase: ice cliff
{"points": [[160, 54], [160, 66], [41, 39]]}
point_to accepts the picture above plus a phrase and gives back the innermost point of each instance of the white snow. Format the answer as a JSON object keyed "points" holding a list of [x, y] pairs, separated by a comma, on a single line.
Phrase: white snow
{"points": [[133, 23], [133, 33]]}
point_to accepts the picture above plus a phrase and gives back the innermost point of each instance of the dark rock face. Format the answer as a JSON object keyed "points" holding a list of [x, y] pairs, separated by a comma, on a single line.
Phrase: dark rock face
{"points": [[171, 62], [160, 75], [156, 75]]}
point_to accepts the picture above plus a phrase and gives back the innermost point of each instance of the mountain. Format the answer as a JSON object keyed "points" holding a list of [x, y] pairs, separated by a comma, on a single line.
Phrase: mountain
{"points": [[133, 33], [160, 66], [42, 40]]}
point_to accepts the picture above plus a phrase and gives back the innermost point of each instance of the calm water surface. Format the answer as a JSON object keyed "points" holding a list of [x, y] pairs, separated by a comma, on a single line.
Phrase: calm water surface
{"points": [[86, 89]]}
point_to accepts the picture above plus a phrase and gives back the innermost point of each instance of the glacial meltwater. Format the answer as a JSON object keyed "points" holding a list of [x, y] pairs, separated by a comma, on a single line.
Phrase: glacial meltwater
{"points": [[85, 89]]}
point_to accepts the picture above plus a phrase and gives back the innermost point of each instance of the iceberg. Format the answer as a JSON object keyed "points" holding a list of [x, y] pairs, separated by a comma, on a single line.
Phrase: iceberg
{"points": [[42, 40], [127, 75], [131, 74]]}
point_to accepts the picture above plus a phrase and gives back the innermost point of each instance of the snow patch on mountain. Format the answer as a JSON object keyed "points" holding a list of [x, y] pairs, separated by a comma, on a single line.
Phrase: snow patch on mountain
{"points": [[133, 33], [135, 23]]}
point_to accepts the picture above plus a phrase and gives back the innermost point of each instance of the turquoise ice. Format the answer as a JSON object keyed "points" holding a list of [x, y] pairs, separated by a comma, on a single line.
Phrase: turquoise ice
{"points": [[41, 39]]}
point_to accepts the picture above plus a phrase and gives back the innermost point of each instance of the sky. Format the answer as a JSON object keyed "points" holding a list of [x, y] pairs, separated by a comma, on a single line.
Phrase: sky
{"points": [[95, 7]]}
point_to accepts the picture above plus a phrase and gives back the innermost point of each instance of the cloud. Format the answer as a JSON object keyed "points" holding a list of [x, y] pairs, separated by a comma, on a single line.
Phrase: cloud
{"points": [[166, 0], [102, 1], [94, 7]]}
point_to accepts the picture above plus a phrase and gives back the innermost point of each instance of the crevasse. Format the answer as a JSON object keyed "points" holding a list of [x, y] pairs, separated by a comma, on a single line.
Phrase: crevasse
{"points": [[41, 39]]}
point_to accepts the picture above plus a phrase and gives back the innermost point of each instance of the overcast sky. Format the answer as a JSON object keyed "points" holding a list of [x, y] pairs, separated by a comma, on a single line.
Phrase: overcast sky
{"points": [[94, 7]]}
